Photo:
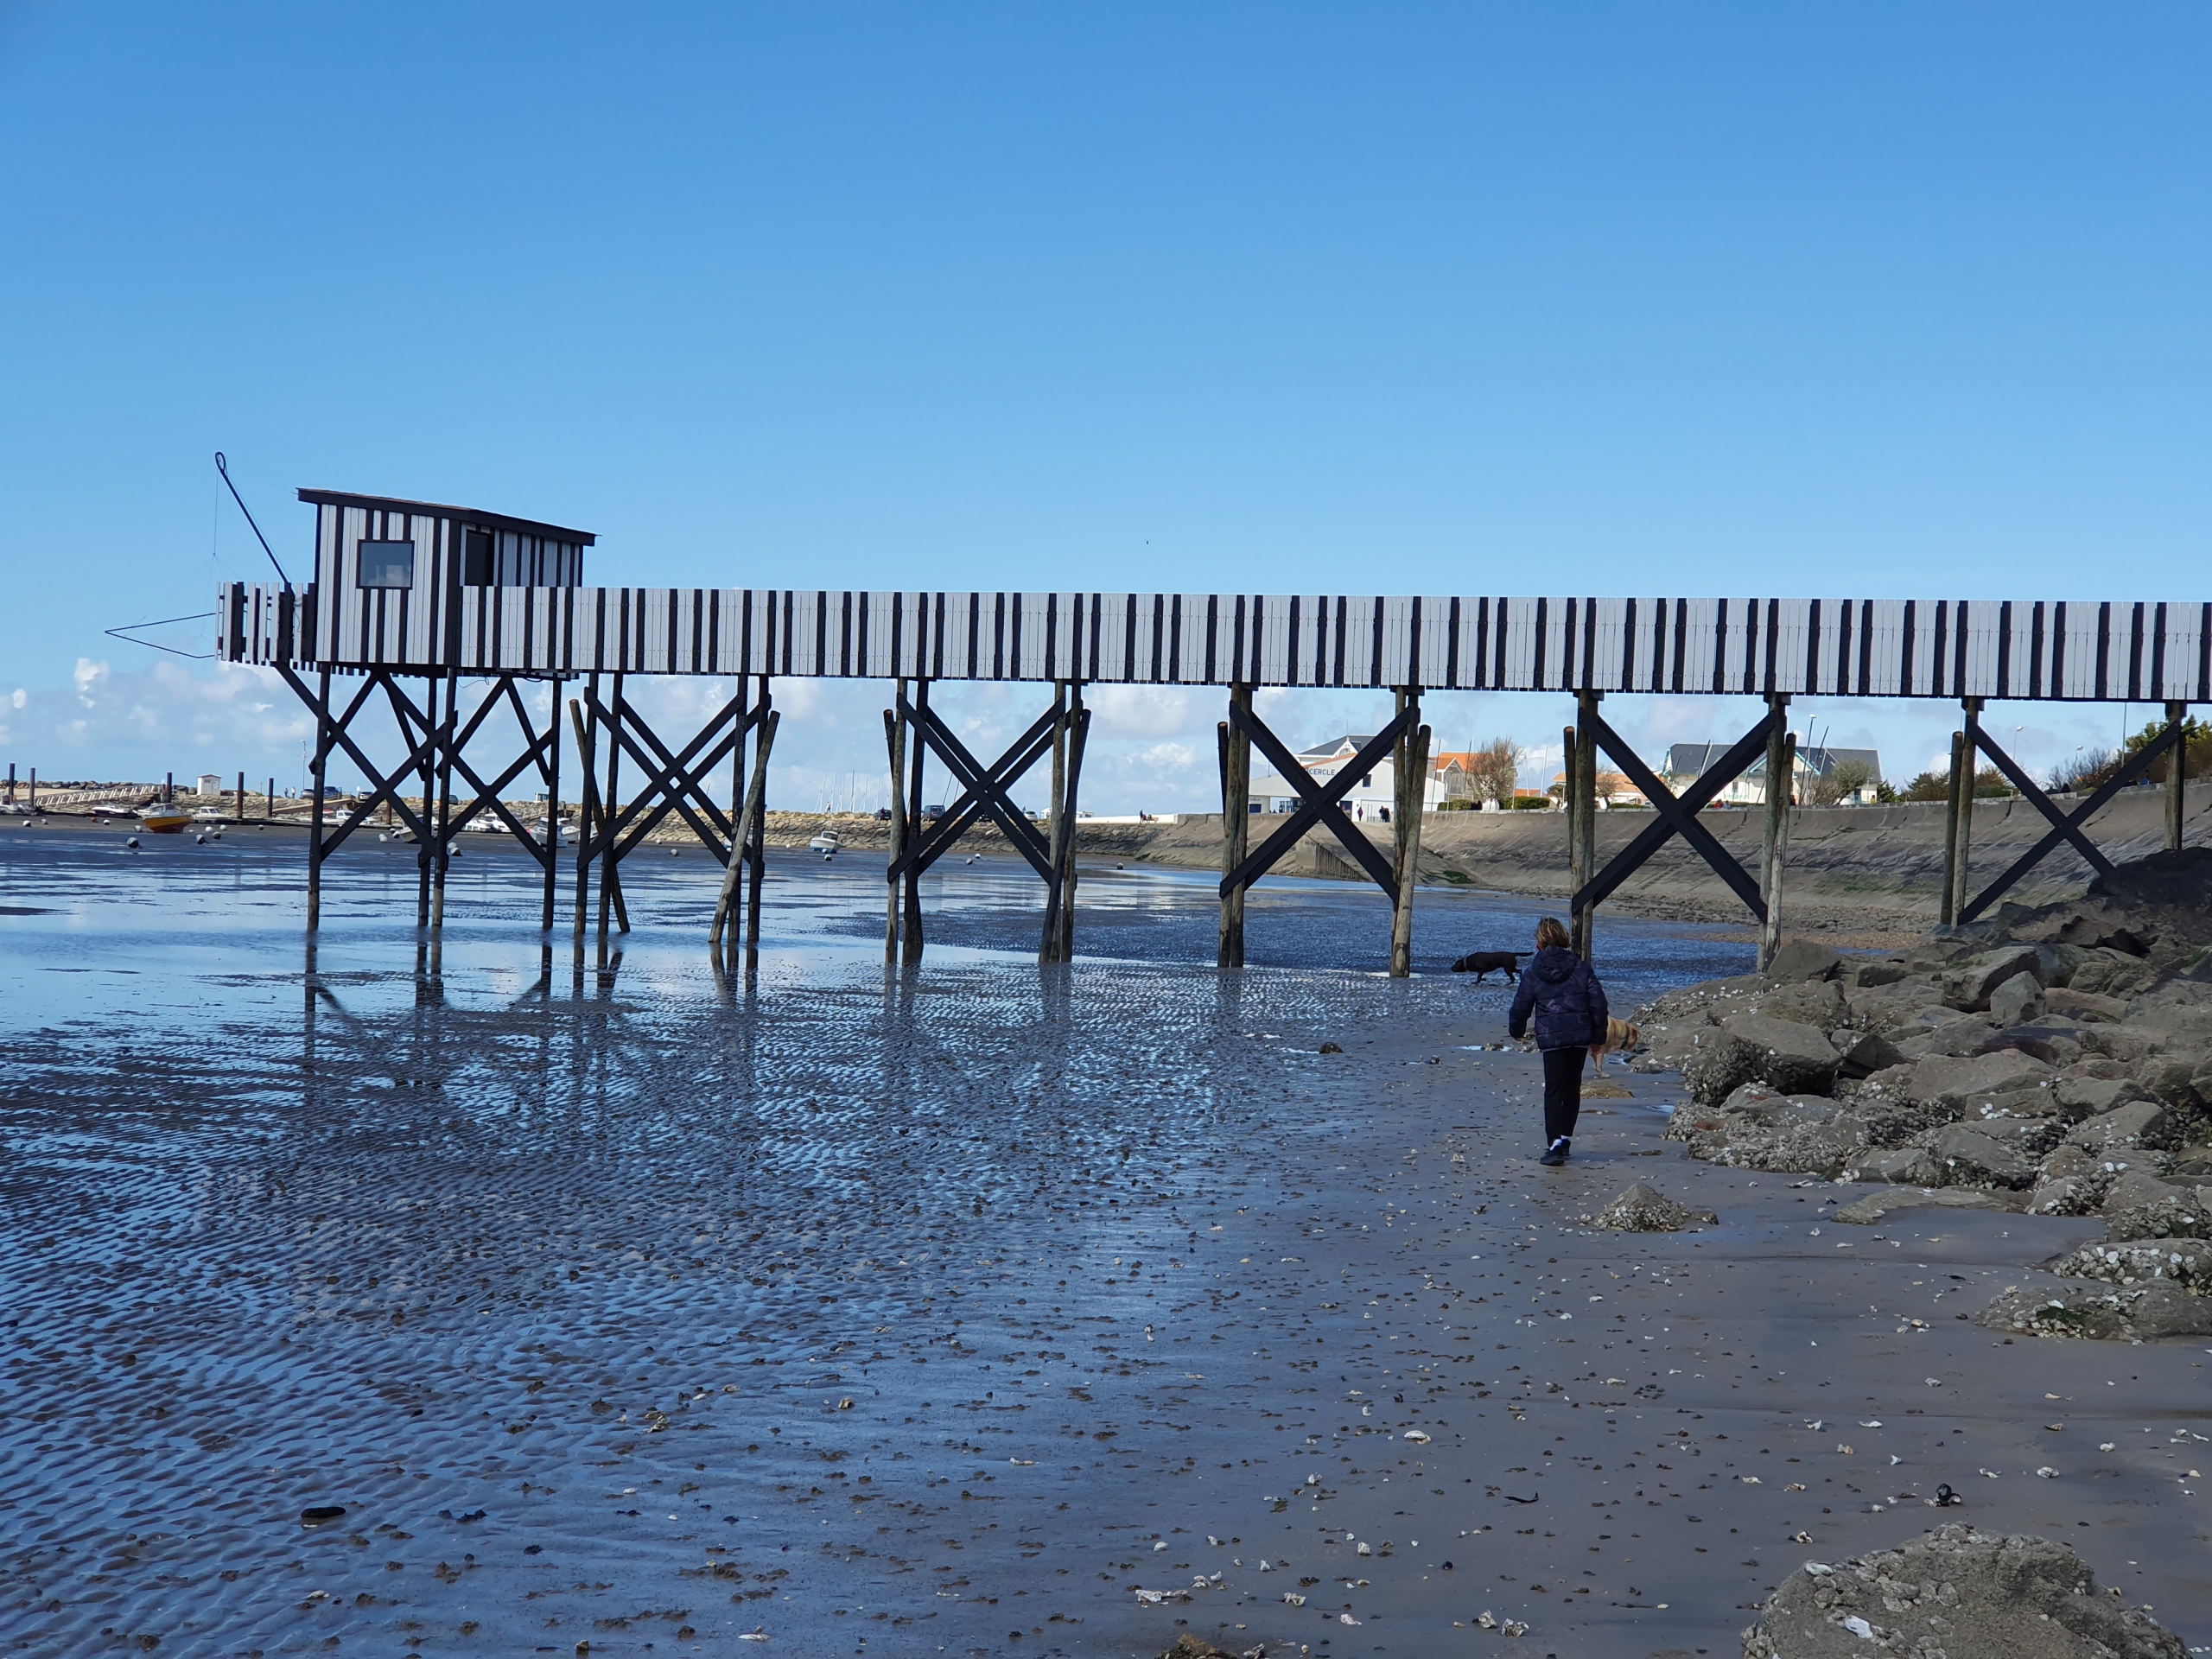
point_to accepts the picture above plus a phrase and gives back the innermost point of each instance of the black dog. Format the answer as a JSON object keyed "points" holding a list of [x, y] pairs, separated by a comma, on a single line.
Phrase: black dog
{"points": [[1479, 963]]}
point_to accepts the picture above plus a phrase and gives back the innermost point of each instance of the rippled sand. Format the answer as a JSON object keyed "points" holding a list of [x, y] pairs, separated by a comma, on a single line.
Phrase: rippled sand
{"points": [[940, 1312]]}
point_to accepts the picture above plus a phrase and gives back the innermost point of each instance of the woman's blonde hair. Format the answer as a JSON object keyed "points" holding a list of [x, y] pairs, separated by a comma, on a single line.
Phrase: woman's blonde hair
{"points": [[1551, 935]]}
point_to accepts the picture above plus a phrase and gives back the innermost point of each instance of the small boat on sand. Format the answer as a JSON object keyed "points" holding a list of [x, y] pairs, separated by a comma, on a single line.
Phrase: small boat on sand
{"points": [[163, 820], [827, 842]]}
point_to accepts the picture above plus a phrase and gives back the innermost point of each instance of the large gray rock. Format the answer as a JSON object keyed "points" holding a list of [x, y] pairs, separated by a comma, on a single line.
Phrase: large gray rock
{"points": [[2140, 1205], [2169, 1076], [2053, 1038], [2094, 1095], [1954, 1593], [2098, 1311], [1871, 974], [1958, 1039], [2140, 1125], [2080, 1005], [1799, 959], [1964, 1081], [1757, 1128], [1817, 1002], [1968, 984], [1972, 1156], [2017, 1000], [2114, 974], [1790, 1058], [1865, 1052], [2186, 1262], [1900, 1165], [1643, 1209]]}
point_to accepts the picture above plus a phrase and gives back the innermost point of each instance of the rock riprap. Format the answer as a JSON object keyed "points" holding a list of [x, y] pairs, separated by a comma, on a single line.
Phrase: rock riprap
{"points": [[1955, 1594], [2058, 1059]]}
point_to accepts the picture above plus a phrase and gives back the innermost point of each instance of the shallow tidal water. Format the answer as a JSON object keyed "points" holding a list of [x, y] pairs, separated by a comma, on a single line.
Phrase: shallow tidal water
{"points": [[632, 1309]]}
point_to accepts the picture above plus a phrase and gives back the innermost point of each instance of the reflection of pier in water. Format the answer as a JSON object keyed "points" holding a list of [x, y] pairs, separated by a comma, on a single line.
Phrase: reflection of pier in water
{"points": [[409, 595]]}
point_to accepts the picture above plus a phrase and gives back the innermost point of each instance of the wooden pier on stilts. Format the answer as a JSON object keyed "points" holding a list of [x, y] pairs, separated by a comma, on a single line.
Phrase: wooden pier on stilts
{"points": [[411, 599]]}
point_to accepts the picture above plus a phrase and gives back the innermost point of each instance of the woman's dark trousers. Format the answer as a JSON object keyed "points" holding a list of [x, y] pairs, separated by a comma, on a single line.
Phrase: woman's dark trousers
{"points": [[1562, 1091]]}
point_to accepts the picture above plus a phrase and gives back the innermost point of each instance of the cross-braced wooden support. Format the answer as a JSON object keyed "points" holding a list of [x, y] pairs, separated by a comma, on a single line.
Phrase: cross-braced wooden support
{"points": [[1677, 814], [2065, 827], [1404, 742], [437, 741], [913, 730], [676, 781]]}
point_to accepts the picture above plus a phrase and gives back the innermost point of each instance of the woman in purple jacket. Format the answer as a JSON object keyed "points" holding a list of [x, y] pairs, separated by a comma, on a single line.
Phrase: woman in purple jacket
{"points": [[1558, 989]]}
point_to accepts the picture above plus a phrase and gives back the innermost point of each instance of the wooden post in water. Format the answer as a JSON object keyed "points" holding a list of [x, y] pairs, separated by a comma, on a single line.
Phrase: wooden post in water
{"points": [[1969, 763], [272, 800], [2176, 777], [610, 879], [894, 741], [441, 822], [1949, 909], [1236, 823], [1078, 731], [757, 795], [1410, 764], [241, 811], [587, 804], [910, 948], [1782, 765], [1048, 948], [1582, 805], [744, 838], [425, 779], [315, 808], [552, 813]]}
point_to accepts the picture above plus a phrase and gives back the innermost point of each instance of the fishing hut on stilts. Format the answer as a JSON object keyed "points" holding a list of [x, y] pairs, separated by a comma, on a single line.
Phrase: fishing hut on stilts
{"points": [[411, 599]]}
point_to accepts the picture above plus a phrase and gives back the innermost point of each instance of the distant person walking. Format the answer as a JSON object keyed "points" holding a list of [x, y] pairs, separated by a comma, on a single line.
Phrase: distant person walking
{"points": [[1569, 1004]]}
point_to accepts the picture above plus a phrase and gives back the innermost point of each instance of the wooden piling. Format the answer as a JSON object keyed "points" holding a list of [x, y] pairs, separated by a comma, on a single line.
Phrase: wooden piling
{"points": [[911, 940], [2176, 777], [745, 836], [1410, 765], [1048, 947], [757, 834], [241, 807], [442, 821], [1582, 808], [1570, 769], [1774, 841], [315, 808], [1236, 824], [587, 804], [552, 815], [609, 806], [895, 740], [1950, 909], [1969, 763], [1078, 734]]}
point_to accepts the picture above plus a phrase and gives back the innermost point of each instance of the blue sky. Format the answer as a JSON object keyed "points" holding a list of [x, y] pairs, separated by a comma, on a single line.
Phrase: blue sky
{"points": [[1883, 299]]}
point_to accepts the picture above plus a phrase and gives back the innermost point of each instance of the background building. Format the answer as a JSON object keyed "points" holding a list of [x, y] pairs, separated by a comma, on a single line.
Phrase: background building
{"points": [[1849, 775]]}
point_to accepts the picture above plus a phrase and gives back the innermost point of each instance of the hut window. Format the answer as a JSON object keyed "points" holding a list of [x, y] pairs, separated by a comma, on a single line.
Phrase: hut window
{"points": [[386, 564], [476, 559]]}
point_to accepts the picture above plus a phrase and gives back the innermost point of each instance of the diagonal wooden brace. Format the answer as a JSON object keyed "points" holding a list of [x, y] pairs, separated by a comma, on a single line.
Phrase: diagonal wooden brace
{"points": [[1678, 815], [1318, 803], [2052, 813], [673, 778], [2068, 826], [386, 788], [983, 789]]}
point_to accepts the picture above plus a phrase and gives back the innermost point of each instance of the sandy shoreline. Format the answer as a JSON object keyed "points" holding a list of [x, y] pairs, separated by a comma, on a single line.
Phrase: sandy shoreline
{"points": [[563, 1295]]}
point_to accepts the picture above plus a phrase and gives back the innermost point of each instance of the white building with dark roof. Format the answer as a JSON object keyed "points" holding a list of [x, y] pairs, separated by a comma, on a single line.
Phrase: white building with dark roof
{"points": [[1686, 761]]}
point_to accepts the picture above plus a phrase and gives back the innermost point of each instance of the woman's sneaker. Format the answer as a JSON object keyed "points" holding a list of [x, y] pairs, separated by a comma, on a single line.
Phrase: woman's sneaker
{"points": [[1557, 1153]]}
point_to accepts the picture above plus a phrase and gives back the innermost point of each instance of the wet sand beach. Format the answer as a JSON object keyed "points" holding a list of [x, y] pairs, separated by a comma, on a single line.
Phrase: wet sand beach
{"points": [[944, 1311]]}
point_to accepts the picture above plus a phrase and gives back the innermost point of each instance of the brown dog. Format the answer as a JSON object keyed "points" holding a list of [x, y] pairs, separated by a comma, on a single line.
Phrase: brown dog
{"points": [[1619, 1034]]}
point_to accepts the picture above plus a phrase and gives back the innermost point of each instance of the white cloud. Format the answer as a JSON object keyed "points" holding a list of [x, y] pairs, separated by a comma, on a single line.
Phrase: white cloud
{"points": [[19, 699], [89, 676]]}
